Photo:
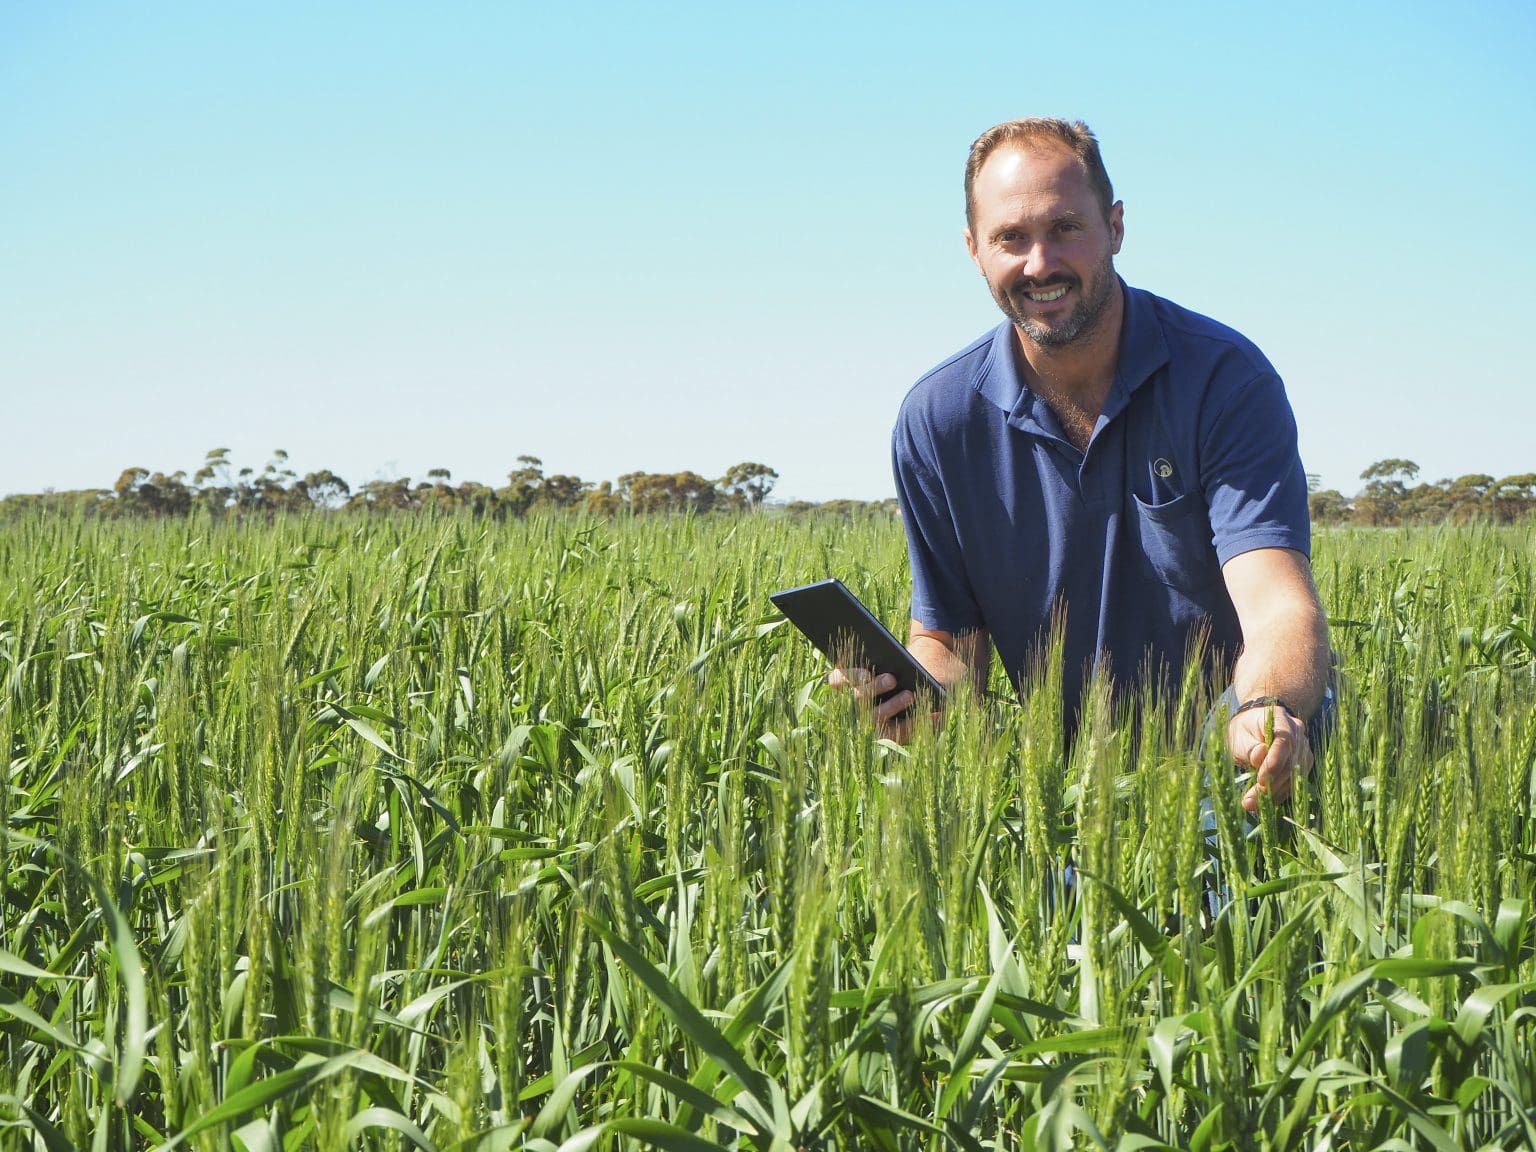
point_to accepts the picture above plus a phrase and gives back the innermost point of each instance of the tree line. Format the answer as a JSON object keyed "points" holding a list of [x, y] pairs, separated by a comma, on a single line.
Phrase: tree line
{"points": [[222, 490], [1390, 497]]}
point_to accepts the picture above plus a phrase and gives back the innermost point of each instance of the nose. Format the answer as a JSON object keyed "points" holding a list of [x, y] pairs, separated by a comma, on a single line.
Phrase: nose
{"points": [[1037, 260]]}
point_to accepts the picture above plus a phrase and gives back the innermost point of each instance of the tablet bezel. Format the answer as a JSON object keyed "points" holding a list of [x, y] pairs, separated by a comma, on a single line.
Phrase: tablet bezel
{"points": [[843, 629]]}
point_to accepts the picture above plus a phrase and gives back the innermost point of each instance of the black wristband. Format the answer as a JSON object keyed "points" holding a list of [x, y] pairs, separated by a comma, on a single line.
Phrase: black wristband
{"points": [[1264, 702]]}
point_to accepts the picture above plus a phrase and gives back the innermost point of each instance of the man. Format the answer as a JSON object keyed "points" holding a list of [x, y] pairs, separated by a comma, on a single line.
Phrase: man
{"points": [[1109, 452]]}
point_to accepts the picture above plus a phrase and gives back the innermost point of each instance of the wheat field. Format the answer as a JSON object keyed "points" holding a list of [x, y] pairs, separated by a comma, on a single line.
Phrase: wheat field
{"points": [[546, 834]]}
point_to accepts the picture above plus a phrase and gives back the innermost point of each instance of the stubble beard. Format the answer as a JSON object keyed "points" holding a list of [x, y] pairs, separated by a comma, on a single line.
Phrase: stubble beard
{"points": [[1093, 301]]}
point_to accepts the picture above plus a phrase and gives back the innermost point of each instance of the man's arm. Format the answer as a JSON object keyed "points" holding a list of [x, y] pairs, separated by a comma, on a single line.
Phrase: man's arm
{"points": [[949, 659], [1285, 655]]}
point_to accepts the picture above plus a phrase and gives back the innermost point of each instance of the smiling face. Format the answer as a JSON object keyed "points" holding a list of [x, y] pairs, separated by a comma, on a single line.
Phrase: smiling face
{"points": [[1044, 242]]}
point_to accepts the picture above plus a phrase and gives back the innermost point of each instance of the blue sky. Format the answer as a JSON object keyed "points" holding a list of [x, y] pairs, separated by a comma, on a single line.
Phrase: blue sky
{"points": [[390, 237]]}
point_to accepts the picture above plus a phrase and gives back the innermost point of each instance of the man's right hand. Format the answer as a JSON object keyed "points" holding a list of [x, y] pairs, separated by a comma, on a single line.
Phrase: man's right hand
{"points": [[948, 659], [892, 716]]}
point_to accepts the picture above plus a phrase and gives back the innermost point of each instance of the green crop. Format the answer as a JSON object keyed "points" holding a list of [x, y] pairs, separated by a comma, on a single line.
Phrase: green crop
{"points": [[449, 834]]}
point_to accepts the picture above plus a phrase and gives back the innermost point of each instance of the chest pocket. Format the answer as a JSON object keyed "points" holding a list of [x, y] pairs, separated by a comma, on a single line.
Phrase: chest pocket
{"points": [[1175, 539]]}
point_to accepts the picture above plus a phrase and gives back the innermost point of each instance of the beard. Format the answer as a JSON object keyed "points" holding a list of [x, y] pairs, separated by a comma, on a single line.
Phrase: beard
{"points": [[1092, 298]]}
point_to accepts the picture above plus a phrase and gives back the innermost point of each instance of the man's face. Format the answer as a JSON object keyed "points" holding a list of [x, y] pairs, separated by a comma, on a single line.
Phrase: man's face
{"points": [[1041, 239]]}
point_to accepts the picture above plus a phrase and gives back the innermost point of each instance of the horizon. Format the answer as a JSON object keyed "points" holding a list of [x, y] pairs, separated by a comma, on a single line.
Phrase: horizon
{"points": [[1414, 477]]}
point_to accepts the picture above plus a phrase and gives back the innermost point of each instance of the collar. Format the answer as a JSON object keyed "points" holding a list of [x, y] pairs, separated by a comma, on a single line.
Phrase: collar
{"points": [[1143, 350]]}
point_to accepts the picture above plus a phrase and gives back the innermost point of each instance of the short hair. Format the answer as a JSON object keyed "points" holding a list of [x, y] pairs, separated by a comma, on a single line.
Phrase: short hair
{"points": [[1074, 134]]}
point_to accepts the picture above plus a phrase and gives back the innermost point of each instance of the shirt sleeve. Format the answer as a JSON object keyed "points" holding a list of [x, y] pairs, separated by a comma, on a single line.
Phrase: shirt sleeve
{"points": [[942, 598], [1254, 483]]}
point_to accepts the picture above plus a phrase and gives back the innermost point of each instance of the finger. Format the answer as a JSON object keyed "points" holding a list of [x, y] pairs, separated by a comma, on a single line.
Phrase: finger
{"points": [[864, 684], [848, 678], [1276, 758], [1277, 773], [1245, 740], [872, 690], [1279, 785], [1251, 796], [899, 728], [888, 710], [1264, 784]]}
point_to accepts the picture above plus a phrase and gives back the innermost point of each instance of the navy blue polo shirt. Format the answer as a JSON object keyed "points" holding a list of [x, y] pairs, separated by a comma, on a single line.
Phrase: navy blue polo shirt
{"points": [[1193, 461]]}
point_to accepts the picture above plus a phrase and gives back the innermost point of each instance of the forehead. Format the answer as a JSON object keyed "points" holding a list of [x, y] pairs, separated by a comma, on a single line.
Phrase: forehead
{"points": [[1033, 179]]}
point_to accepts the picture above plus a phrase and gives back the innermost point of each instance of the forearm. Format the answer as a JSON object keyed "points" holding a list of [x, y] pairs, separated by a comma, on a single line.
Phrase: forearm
{"points": [[1286, 657], [952, 659], [1285, 630]]}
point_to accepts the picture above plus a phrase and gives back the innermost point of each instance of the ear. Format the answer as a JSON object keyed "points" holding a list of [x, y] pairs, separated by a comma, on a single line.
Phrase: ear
{"points": [[970, 246], [1116, 226]]}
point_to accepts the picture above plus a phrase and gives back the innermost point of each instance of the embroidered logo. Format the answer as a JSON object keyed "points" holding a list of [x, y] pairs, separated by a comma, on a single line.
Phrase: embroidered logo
{"points": [[1162, 468]]}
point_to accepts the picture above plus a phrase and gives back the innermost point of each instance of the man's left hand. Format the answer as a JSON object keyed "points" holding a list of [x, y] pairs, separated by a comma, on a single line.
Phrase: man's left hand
{"points": [[1278, 762]]}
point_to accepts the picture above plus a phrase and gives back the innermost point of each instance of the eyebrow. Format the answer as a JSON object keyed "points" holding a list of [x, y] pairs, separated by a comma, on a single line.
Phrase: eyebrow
{"points": [[1061, 218]]}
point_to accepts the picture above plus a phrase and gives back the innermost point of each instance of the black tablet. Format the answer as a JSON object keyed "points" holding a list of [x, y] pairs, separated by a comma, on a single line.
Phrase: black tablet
{"points": [[836, 621]]}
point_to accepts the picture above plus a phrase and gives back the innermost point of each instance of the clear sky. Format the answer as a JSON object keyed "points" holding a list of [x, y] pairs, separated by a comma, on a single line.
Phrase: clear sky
{"points": [[389, 237]]}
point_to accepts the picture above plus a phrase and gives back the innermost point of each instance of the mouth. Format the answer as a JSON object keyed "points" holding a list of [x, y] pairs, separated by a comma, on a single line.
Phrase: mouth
{"points": [[1044, 295]]}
